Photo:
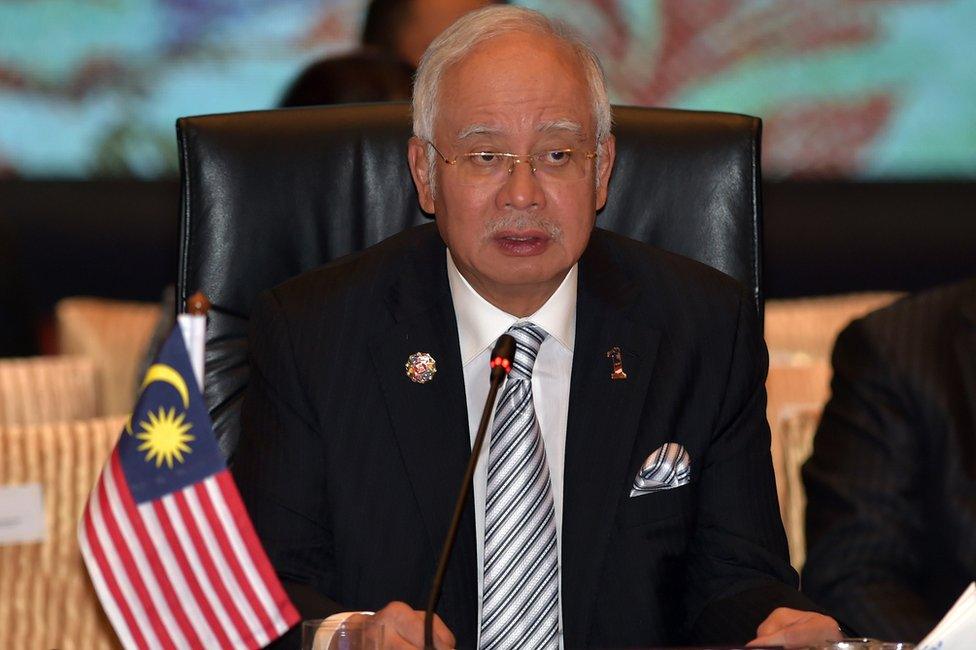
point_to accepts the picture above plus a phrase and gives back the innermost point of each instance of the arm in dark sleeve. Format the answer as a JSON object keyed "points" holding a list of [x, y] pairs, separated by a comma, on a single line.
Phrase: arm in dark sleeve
{"points": [[739, 567], [278, 467], [864, 525]]}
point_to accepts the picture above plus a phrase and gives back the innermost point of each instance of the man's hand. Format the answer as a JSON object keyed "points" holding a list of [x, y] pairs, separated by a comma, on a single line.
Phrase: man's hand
{"points": [[403, 627], [794, 628]]}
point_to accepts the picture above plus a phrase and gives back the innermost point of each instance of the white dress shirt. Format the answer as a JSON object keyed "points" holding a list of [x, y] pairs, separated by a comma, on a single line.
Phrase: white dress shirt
{"points": [[479, 325]]}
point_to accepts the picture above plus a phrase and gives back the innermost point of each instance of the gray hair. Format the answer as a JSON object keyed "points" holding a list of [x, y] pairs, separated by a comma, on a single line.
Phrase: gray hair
{"points": [[478, 26]]}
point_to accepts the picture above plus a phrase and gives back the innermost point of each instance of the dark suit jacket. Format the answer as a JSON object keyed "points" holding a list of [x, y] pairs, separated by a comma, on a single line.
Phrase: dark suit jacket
{"points": [[891, 485], [350, 470]]}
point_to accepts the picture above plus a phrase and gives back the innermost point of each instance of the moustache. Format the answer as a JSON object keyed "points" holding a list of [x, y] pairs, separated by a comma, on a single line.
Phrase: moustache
{"points": [[520, 222]]}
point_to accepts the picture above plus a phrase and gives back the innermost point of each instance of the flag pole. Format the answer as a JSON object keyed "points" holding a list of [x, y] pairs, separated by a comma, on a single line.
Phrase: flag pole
{"points": [[193, 324]]}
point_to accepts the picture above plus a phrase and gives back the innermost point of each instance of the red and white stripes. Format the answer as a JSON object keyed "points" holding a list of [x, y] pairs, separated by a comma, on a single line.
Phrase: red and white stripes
{"points": [[184, 571]]}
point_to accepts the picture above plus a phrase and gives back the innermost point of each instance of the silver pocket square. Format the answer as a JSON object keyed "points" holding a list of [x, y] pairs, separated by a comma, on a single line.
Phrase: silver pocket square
{"points": [[667, 467]]}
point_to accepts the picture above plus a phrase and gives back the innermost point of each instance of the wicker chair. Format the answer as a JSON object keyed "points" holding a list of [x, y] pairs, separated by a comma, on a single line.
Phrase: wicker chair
{"points": [[46, 598], [115, 334], [47, 389], [796, 398]]}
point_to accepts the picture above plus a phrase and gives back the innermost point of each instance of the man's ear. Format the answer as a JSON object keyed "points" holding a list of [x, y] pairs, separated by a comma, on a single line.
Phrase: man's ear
{"points": [[419, 169], [603, 170]]}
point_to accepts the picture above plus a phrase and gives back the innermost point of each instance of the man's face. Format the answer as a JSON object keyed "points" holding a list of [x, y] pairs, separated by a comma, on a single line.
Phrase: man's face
{"points": [[514, 240]]}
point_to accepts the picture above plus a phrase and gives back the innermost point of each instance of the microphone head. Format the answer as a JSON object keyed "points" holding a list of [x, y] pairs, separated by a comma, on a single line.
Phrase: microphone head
{"points": [[502, 354]]}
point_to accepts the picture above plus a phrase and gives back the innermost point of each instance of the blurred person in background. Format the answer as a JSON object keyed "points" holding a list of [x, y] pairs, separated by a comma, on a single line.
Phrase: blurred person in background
{"points": [[891, 485], [404, 28], [395, 35], [360, 76]]}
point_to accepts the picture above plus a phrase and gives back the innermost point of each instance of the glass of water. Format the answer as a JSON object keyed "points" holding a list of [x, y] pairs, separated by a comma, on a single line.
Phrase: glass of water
{"points": [[359, 634]]}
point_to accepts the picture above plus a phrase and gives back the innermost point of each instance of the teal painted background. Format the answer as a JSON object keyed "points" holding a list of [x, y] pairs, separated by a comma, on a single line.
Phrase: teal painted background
{"points": [[863, 89]]}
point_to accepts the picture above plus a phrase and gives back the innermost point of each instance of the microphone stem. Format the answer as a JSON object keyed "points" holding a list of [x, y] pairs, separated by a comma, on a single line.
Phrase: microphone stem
{"points": [[497, 374]]}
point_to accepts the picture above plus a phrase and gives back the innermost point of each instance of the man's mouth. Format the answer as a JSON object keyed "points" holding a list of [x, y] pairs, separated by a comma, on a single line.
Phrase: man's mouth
{"points": [[522, 244]]}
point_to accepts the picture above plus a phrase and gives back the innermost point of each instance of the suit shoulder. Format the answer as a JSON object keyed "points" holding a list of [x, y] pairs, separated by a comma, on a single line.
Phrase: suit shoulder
{"points": [[655, 266], [915, 336], [689, 302], [357, 275], [924, 316], [929, 306]]}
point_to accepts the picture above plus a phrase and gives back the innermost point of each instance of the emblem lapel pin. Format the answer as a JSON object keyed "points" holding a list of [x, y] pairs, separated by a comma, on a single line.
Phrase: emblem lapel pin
{"points": [[421, 367], [618, 366]]}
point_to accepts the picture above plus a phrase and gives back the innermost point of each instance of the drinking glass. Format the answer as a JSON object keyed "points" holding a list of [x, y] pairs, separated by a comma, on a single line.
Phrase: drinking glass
{"points": [[322, 634]]}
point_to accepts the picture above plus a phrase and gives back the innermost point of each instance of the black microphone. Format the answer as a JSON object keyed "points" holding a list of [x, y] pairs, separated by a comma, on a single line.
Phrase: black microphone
{"points": [[501, 364]]}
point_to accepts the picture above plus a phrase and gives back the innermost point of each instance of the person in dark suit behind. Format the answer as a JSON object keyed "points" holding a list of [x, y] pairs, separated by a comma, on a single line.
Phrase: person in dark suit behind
{"points": [[625, 513], [891, 484], [361, 76], [402, 29]]}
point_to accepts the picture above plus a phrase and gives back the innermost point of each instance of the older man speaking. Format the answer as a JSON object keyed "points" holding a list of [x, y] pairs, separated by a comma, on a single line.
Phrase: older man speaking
{"points": [[605, 513]]}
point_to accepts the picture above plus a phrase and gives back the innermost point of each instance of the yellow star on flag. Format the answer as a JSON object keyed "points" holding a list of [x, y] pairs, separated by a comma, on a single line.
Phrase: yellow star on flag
{"points": [[165, 437]]}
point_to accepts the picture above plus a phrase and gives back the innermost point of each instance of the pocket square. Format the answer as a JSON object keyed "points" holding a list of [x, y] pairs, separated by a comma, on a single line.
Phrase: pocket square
{"points": [[667, 467]]}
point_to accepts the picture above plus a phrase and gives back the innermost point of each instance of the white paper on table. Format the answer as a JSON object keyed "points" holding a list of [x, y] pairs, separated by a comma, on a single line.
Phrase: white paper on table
{"points": [[957, 629], [21, 514]]}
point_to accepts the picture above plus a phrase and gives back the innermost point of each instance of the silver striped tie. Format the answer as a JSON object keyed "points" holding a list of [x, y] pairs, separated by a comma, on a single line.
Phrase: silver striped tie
{"points": [[521, 580]]}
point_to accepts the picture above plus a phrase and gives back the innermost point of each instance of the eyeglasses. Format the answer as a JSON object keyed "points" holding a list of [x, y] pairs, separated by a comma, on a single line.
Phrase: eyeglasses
{"points": [[493, 167]]}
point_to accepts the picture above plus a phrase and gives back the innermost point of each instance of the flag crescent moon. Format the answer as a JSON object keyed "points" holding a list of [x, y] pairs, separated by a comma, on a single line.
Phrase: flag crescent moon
{"points": [[162, 372], [166, 374]]}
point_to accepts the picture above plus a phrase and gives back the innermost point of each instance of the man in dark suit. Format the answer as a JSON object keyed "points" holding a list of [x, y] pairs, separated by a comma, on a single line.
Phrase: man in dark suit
{"points": [[891, 485], [655, 488]]}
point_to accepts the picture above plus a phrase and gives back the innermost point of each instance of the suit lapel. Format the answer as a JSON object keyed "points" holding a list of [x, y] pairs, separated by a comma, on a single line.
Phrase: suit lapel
{"points": [[603, 418], [430, 421]]}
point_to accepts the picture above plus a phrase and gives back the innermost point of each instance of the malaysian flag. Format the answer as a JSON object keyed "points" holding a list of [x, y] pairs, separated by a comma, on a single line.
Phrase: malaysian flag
{"points": [[166, 539]]}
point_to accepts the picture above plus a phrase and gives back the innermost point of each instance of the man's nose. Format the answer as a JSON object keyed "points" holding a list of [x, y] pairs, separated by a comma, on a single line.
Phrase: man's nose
{"points": [[522, 188]]}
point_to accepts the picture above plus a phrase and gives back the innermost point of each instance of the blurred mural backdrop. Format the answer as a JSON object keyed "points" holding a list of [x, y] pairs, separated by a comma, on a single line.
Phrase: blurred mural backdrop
{"points": [[858, 89]]}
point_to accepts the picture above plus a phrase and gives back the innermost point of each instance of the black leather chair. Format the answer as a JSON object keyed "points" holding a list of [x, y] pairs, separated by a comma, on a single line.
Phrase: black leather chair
{"points": [[267, 195]]}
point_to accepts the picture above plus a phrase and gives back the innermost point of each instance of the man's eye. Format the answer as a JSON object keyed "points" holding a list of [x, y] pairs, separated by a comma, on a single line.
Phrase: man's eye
{"points": [[484, 158], [556, 158]]}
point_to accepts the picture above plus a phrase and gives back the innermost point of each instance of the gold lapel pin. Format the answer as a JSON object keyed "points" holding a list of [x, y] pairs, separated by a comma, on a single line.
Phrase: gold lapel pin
{"points": [[618, 366], [421, 367]]}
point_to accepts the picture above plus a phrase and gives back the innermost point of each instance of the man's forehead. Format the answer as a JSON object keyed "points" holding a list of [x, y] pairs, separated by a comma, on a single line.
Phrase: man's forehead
{"points": [[515, 85], [512, 63]]}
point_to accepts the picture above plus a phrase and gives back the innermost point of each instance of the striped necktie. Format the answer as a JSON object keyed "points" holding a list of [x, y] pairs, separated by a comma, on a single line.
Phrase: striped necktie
{"points": [[520, 606]]}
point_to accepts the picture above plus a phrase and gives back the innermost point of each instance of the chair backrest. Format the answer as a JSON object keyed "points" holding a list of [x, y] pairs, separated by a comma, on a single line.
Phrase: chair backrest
{"points": [[47, 597], [115, 334], [35, 390], [267, 195]]}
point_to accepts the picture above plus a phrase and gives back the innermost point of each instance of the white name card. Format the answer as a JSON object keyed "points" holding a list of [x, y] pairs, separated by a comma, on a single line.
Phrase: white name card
{"points": [[21, 514]]}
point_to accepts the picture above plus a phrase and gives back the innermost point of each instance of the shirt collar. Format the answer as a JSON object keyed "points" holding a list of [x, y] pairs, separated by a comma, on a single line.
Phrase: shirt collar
{"points": [[480, 323]]}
